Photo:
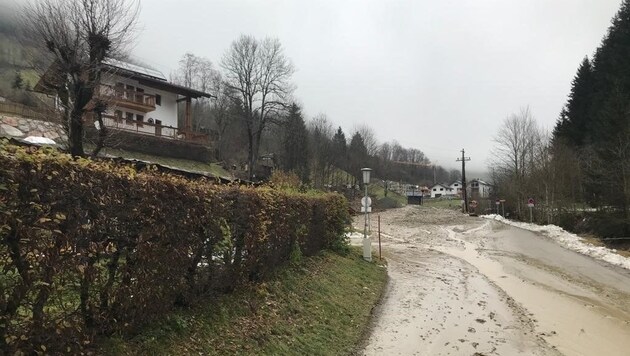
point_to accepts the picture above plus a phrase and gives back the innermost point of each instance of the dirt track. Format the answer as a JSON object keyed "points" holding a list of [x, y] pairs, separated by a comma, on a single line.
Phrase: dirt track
{"points": [[467, 286]]}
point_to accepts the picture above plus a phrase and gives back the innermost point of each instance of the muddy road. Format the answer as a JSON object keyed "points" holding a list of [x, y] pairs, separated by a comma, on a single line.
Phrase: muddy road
{"points": [[468, 286]]}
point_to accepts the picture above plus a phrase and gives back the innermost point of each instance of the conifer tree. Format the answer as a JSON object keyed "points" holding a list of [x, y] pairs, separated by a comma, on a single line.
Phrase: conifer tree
{"points": [[295, 144], [18, 82], [577, 120], [357, 155], [340, 149]]}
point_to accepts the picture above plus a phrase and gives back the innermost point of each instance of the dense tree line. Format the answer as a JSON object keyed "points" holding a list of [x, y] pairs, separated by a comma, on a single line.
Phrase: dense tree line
{"points": [[583, 166]]}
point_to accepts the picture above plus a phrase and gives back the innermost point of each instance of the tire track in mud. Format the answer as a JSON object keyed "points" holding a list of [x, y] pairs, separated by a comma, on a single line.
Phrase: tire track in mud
{"points": [[439, 304]]}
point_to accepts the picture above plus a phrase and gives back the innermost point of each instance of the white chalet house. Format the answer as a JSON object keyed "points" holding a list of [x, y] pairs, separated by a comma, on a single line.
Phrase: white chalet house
{"points": [[478, 189], [456, 186], [140, 100], [440, 190]]}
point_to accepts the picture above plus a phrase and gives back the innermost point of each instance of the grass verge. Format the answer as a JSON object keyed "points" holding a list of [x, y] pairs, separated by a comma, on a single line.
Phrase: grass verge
{"points": [[320, 307], [440, 203], [378, 192]]}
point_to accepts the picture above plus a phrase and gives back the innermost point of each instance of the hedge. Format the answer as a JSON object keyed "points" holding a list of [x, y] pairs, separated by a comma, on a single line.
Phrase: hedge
{"points": [[96, 248]]}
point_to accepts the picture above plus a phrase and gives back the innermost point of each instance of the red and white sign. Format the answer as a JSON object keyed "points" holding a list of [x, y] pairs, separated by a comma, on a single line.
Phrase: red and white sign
{"points": [[497, 202], [530, 202]]}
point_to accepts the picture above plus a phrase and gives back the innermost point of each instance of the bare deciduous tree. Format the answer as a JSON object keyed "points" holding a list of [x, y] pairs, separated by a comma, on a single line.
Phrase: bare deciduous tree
{"points": [[199, 73], [259, 75], [517, 145], [78, 35], [369, 138], [321, 132]]}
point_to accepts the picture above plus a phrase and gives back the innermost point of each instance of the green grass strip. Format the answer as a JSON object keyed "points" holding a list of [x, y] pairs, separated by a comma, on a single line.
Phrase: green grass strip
{"points": [[320, 307]]}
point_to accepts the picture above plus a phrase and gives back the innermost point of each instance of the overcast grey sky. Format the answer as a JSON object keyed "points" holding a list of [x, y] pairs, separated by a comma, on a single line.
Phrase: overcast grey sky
{"points": [[435, 75]]}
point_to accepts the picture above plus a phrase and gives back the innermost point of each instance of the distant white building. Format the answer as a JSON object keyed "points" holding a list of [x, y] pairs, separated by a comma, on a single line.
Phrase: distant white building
{"points": [[479, 189], [440, 190], [456, 186]]}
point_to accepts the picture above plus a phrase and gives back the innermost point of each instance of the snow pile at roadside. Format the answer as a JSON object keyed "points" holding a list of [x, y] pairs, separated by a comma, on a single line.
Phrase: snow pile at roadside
{"points": [[568, 240], [38, 140]]}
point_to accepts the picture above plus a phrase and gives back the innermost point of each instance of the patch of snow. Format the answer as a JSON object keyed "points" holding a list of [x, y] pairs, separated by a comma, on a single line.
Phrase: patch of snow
{"points": [[354, 235], [38, 140], [568, 240]]}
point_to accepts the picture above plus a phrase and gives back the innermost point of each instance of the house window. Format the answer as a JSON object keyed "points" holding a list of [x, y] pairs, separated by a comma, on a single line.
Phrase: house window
{"points": [[441, 189], [457, 185], [139, 95], [158, 99], [139, 119], [120, 90], [118, 115], [158, 122], [129, 117], [435, 190], [129, 95]]}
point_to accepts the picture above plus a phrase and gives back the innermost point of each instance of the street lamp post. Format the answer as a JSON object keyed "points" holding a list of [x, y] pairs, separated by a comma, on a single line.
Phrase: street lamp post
{"points": [[367, 243]]}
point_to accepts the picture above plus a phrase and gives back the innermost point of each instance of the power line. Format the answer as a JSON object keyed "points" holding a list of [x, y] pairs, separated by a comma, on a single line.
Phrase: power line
{"points": [[463, 160]]}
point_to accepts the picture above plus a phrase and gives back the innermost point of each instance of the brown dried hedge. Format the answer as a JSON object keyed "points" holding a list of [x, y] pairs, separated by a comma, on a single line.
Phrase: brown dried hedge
{"points": [[96, 248]]}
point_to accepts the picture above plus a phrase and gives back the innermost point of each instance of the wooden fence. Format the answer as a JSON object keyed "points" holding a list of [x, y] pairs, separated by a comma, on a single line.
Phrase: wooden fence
{"points": [[25, 111]]}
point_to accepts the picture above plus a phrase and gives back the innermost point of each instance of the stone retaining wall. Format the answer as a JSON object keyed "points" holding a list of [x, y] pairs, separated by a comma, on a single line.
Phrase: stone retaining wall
{"points": [[20, 127]]}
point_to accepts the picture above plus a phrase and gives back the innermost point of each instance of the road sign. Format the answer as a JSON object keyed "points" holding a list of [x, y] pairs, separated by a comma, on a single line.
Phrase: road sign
{"points": [[366, 201], [502, 200], [369, 209], [530, 202], [497, 202]]}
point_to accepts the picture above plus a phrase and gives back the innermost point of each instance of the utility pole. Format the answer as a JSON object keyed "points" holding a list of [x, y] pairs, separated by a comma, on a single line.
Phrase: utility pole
{"points": [[464, 189]]}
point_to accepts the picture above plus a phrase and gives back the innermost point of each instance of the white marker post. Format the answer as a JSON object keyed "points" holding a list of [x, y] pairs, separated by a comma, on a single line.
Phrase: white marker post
{"points": [[366, 203]]}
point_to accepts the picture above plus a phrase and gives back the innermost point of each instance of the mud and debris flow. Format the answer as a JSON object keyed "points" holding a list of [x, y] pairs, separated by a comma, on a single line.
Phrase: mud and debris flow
{"points": [[467, 286]]}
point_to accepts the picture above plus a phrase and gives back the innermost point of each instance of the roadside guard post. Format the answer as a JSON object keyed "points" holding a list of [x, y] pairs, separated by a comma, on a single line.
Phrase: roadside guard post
{"points": [[366, 203], [530, 204], [379, 238]]}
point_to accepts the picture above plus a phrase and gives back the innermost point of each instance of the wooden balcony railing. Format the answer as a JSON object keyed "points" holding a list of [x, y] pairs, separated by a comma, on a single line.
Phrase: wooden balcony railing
{"points": [[129, 98], [146, 128], [135, 97]]}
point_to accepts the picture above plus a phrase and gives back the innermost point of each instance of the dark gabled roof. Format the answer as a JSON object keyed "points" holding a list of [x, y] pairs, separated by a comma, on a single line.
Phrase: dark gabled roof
{"points": [[49, 81]]}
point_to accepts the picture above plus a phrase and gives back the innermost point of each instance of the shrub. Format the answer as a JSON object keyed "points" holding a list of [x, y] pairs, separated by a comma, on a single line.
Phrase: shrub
{"points": [[94, 248], [387, 203]]}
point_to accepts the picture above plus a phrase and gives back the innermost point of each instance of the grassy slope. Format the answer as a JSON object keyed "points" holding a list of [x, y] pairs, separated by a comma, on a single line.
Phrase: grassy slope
{"points": [[321, 307], [379, 193], [454, 204], [185, 164]]}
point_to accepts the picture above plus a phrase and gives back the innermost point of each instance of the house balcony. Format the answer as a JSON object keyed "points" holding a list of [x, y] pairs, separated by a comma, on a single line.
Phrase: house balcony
{"points": [[156, 130], [133, 100]]}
